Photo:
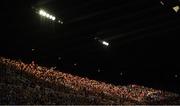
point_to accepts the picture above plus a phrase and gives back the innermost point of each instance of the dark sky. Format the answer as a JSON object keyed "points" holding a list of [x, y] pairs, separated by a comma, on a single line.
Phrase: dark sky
{"points": [[143, 34]]}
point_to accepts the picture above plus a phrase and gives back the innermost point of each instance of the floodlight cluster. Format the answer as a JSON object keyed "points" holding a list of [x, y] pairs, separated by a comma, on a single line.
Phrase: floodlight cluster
{"points": [[60, 22], [175, 8], [47, 15], [105, 43]]}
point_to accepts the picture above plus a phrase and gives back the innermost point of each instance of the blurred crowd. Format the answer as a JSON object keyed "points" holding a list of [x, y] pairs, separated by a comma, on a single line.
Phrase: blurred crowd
{"points": [[49, 85]]}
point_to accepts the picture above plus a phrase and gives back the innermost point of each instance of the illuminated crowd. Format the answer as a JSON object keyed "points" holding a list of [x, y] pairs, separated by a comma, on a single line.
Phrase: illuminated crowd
{"points": [[47, 86]]}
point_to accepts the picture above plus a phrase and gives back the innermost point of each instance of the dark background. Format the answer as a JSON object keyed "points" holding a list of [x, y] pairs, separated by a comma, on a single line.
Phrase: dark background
{"points": [[143, 37]]}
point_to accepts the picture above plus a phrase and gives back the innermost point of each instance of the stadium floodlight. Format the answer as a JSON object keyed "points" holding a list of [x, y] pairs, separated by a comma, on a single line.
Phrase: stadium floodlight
{"points": [[176, 8], [33, 50], [105, 43], [42, 13], [60, 22], [47, 15], [162, 3], [53, 18]]}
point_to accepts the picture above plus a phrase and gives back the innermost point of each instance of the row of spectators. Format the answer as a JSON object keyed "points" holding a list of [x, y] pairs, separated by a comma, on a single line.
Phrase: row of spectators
{"points": [[84, 87]]}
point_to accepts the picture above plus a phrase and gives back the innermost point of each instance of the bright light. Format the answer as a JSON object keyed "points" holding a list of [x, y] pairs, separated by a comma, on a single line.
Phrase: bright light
{"points": [[176, 8], [45, 14], [48, 16], [42, 13], [60, 22], [162, 2], [105, 43], [33, 49], [53, 18]]}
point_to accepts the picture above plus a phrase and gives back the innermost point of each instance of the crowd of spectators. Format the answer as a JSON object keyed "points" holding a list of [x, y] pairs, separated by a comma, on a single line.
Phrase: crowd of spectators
{"points": [[48, 86]]}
